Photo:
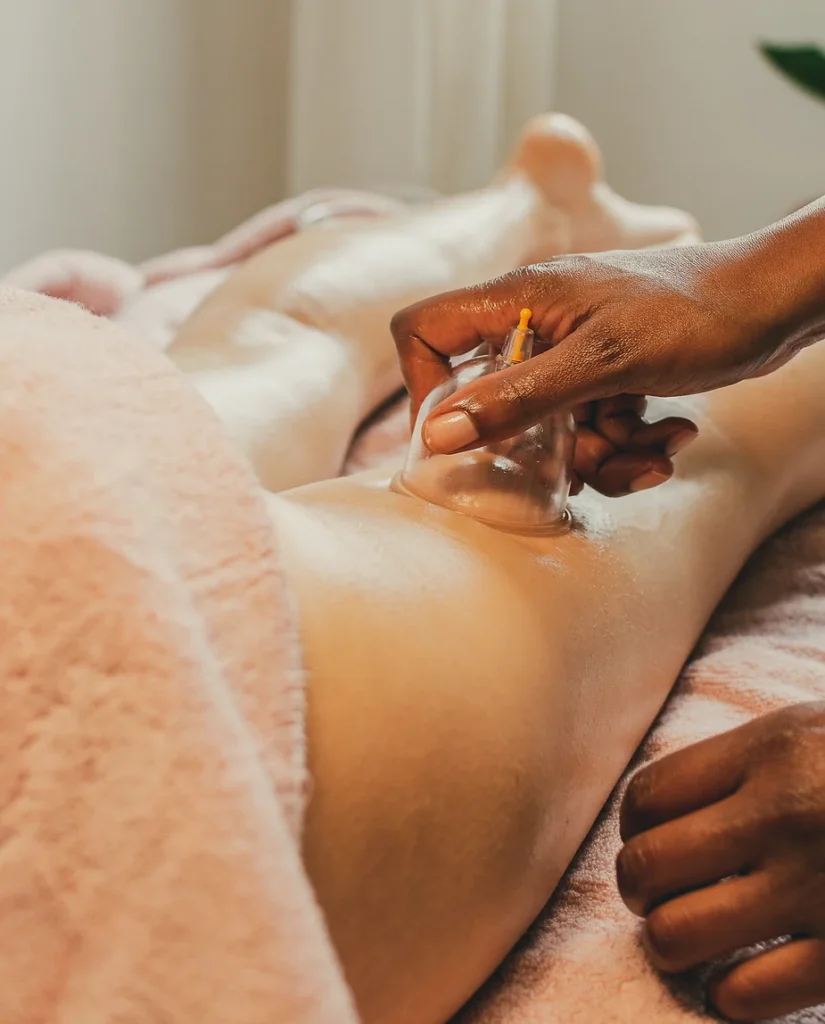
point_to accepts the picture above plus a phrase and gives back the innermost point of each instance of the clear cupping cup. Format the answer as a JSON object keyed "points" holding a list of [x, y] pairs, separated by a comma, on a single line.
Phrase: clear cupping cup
{"points": [[521, 484]]}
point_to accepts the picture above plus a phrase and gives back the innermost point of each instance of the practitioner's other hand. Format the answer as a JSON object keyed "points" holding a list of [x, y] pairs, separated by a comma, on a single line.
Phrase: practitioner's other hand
{"points": [[614, 327], [725, 848]]}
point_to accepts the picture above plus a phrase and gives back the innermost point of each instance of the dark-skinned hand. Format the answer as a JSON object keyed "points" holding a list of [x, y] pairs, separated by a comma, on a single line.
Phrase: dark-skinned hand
{"points": [[612, 329], [725, 848]]}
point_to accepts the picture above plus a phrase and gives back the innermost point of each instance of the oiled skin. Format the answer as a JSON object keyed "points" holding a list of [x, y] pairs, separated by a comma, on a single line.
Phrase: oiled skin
{"points": [[474, 696]]}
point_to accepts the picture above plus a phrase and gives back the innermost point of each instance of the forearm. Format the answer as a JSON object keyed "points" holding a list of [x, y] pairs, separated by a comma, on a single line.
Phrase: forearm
{"points": [[780, 270]]}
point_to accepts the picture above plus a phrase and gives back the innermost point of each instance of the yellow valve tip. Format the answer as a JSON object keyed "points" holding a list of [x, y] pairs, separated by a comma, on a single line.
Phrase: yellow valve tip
{"points": [[517, 355]]}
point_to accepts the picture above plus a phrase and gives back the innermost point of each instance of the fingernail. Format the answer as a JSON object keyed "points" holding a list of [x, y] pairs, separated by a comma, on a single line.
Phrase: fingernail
{"points": [[680, 441], [652, 478], [449, 432]]}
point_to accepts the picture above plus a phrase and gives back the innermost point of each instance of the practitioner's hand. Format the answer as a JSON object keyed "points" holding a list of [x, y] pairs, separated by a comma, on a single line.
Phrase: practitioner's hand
{"points": [[615, 327], [725, 849]]}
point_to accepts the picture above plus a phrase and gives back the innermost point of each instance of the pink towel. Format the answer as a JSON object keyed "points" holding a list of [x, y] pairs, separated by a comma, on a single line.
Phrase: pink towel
{"points": [[151, 703]]}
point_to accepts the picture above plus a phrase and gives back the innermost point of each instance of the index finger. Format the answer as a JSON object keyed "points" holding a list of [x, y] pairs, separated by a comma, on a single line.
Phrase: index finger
{"points": [[431, 332], [428, 334]]}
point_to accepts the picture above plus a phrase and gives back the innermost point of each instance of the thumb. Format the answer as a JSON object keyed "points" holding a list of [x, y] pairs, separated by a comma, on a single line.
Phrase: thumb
{"points": [[582, 368]]}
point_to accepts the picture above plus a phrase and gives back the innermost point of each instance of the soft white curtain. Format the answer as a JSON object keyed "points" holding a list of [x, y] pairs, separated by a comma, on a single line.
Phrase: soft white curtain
{"points": [[420, 93], [138, 125]]}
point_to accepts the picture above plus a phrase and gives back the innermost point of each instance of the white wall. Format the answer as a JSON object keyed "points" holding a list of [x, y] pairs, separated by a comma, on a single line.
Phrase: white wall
{"points": [[688, 112], [132, 126]]}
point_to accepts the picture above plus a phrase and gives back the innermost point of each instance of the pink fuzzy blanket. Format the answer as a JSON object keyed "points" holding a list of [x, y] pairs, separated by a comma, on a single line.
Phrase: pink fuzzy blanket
{"points": [[188, 904], [152, 768]]}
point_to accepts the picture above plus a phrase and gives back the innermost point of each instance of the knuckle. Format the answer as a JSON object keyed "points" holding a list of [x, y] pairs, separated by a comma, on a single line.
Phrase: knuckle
{"points": [[782, 736], [785, 729], [607, 347], [578, 268], [812, 713], [797, 812]]}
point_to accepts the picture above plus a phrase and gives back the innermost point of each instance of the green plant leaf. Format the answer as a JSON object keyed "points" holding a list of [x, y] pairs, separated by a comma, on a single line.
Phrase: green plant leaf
{"points": [[804, 65]]}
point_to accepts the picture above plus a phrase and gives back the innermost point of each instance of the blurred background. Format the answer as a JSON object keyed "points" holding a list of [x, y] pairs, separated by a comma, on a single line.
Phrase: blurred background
{"points": [[133, 126]]}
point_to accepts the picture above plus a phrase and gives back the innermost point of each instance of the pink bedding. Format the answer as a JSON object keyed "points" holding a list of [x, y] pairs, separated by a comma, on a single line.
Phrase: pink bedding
{"points": [[581, 963], [765, 648]]}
